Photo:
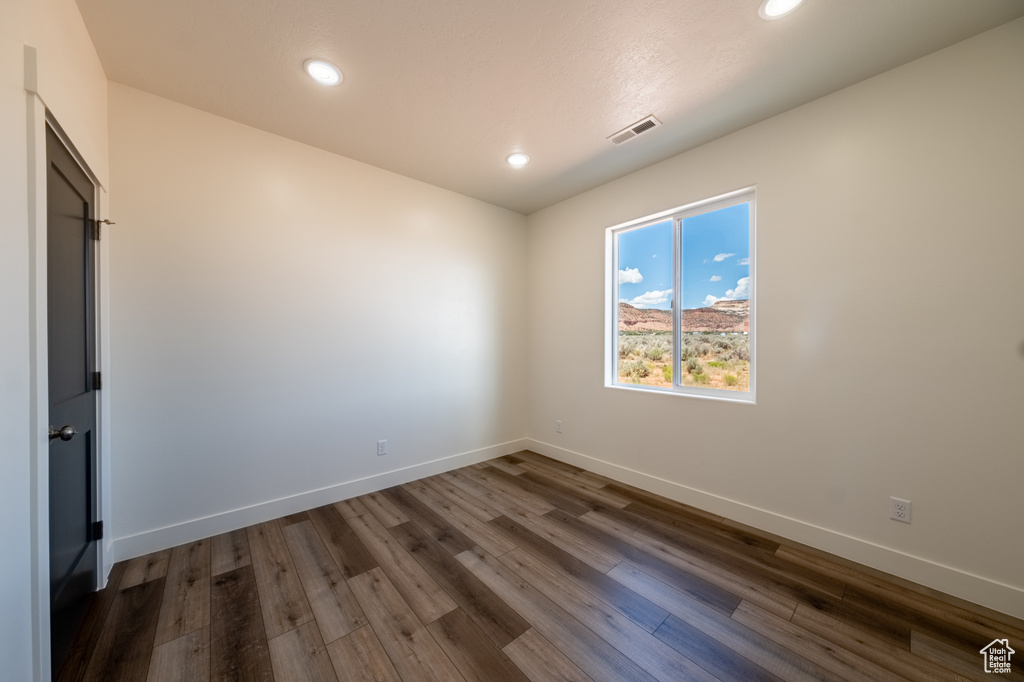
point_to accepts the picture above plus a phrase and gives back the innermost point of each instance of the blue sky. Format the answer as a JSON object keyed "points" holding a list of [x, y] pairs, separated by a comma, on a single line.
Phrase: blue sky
{"points": [[716, 256]]}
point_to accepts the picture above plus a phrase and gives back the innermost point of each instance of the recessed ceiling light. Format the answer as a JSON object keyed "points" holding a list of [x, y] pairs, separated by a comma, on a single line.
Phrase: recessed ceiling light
{"points": [[776, 9], [518, 160], [322, 72]]}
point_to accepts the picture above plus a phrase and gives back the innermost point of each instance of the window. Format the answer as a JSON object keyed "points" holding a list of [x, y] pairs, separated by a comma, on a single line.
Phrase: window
{"points": [[681, 300]]}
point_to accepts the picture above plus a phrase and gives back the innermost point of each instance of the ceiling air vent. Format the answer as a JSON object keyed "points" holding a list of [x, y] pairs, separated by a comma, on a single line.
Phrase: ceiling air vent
{"points": [[631, 131]]}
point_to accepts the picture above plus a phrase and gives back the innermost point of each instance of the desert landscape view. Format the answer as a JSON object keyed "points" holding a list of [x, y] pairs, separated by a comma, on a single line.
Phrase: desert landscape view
{"points": [[714, 346]]}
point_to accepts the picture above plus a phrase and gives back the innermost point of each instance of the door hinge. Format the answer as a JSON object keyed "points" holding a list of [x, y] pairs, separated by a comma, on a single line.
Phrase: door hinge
{"points": [[97, 531], [97, 224], [97, 381]]}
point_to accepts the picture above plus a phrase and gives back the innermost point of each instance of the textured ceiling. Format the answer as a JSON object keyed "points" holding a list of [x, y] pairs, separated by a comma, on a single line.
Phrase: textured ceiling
{"points": [[443, 91]]}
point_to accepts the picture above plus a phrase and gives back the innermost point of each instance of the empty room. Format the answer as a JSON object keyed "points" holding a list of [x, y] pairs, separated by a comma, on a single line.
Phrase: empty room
{"points": [[536, 341]]}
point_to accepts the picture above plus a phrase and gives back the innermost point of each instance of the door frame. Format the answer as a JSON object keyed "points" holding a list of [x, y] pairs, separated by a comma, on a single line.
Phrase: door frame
{"points": [[37, 119]]}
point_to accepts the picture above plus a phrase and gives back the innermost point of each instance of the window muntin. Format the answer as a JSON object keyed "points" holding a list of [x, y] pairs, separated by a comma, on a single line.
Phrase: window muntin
{"points": [[694, 337]]}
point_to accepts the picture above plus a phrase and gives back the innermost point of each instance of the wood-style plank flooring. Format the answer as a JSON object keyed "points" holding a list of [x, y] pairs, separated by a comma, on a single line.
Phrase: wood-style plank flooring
{"points": [[520, 568]]}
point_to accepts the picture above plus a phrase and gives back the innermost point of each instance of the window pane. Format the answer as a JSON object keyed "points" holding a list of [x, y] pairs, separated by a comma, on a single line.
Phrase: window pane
{"points": [[715, 320], [645, 275]]}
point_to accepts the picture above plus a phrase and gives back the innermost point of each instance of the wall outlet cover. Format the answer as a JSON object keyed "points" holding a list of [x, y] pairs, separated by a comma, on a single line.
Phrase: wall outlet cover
{"points": [[899, 509]]}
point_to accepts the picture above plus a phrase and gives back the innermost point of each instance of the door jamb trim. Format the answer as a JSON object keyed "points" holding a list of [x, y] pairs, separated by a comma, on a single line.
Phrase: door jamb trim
{"points": [[37, 119]]}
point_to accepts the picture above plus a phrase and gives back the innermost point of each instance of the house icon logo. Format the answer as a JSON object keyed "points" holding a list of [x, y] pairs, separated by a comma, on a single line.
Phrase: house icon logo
{"points": [[997, 656]]}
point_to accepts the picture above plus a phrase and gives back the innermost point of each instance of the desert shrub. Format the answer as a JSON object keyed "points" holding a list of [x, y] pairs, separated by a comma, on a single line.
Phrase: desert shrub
{"points": [[666, 371], [715, 363], [693, 366], [704, 349], [741, 353], [627, 347], [722, 343], [637, 370], [655, 353], [700, 378], [730, 380], [688, 352]]}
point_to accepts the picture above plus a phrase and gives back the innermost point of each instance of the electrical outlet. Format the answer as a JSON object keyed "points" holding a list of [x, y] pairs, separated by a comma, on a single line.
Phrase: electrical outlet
{"points": [[899, 510], [382, 447], [558, 426]]}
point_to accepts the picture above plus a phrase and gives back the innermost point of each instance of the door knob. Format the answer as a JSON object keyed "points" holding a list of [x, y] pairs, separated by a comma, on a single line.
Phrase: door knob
{"points": [[66, 432]]}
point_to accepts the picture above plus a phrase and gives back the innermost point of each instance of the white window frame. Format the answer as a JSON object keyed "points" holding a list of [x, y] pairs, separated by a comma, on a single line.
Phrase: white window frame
{"points": [[677, 215]]}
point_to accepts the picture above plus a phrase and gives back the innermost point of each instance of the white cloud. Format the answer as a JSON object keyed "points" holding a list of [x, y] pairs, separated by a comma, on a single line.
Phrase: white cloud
{"points": [[630, 276], [742, 290], [651, 299], [744, 261], [722, 256], [715, 278]]}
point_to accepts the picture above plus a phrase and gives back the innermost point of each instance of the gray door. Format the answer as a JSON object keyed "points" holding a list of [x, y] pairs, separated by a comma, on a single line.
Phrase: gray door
{"points": [[71, 335]]}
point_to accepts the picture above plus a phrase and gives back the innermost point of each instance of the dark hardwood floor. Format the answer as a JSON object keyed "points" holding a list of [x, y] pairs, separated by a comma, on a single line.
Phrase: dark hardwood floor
{"points": [[520, 568]]}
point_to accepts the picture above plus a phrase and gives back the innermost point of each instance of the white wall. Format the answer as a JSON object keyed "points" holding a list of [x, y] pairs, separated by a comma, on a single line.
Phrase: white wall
{"points": [[890, 236], [71, 84], [277, 309]]}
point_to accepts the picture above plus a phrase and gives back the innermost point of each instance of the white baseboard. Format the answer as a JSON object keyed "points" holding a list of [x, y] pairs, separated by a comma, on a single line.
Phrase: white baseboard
{"points": [[197, 529], [995, 595]]}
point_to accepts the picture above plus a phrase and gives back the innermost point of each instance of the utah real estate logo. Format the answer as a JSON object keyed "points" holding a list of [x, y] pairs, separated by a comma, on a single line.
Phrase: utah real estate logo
{"points": [[997, 656]]}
